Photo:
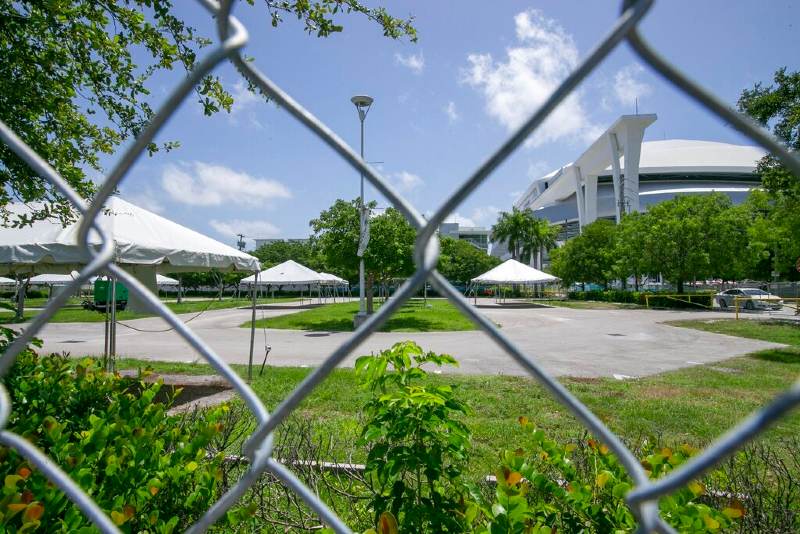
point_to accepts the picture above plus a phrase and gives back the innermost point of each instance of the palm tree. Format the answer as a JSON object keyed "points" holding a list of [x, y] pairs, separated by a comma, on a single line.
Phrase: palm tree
{"points": [[511, 229], [540, 236], [525, 234]]}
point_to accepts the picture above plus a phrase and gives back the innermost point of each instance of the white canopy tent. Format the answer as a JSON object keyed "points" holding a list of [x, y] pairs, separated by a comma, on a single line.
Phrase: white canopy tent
{"points": [[333, 284], [333, 280], [512, 272], [288, 273], [144, 243], [56, 282], [7, 281], [162, 280], [51, 279]]}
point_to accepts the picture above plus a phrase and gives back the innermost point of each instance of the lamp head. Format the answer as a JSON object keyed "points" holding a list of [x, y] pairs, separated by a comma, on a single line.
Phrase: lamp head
{"points": [[362, 101]]}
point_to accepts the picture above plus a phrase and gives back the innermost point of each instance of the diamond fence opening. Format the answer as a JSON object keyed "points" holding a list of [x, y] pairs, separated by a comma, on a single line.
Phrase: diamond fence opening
{"points": [[642, 499]]}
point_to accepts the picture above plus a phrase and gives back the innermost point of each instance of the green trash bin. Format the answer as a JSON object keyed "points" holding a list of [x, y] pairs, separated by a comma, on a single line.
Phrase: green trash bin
{"points": [[102, 296]]}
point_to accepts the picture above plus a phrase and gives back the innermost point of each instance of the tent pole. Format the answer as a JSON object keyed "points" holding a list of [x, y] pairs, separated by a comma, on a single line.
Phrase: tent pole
{"points": [[106, 339], [21, 289], [252, 331], [113, 339]]}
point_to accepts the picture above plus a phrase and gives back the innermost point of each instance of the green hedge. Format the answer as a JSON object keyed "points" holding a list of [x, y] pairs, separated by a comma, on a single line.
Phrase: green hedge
{"points": [[656, 300]]}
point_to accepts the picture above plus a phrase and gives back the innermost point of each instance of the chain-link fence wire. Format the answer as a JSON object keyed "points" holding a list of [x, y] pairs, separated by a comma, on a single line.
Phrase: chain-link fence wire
{"points": [[642, 499]]}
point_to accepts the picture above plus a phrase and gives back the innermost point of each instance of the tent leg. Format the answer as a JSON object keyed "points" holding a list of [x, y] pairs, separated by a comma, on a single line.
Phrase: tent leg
{"points": [[252, 331], [107, 338], [21, 290], [113, 338]]}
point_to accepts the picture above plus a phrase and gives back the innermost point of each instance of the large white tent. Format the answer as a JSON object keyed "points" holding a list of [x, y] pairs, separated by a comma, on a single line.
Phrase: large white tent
{"points": [[141, 238], [513, 272], [7, 281], [144, 243], [288, 273]]}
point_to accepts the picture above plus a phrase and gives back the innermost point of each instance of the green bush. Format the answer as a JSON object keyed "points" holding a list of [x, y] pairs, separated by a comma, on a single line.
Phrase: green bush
{"points": [[655, 300], [546, 487], [148, 471], [417, 449]]}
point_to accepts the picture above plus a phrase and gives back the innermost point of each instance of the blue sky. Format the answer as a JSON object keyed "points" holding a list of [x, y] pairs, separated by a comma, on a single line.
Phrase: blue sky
{"points": [[441, 105]]}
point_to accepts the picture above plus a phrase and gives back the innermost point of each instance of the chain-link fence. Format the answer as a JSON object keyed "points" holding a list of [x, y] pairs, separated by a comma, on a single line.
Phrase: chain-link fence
{"points": [[643, 498]]}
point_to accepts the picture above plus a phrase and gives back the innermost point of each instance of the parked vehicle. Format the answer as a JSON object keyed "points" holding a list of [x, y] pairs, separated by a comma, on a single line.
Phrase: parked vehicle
{"points": [[749, 299]]}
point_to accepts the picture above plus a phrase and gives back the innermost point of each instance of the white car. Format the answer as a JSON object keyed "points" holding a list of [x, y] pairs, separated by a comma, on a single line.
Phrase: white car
{"points": [[749, 299]]}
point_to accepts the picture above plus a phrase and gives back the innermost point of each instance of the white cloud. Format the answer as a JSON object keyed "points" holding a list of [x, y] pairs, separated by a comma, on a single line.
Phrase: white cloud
{"points": [[628, 87], [451, 111], [414, 62], [406, 181], [537, 169], [515, 88], [251, 229], [485, 215], [460, 219], [206, 184], [480, 216], [244, 102]]}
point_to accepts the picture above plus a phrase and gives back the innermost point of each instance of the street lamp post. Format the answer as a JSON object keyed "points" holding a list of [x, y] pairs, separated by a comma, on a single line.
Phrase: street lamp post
{"points": [[362, 104]]}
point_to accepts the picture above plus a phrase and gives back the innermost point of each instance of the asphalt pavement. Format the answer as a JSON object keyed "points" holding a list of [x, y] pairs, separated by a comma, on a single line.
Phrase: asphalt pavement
{"points": [[564, 341]]}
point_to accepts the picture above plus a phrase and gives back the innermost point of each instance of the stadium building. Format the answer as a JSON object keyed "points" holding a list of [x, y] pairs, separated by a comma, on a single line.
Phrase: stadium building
{"points": [[620, 174]]}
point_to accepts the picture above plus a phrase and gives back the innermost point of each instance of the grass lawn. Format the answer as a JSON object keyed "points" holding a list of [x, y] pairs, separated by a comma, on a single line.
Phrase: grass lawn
{"points": [[765, 330], [691, 405], [79, 315], [414, 316], [591, 304]]}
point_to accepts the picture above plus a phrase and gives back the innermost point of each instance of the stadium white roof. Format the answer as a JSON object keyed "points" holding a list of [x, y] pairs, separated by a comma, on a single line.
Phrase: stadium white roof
{"points": [[696, 157], [672, 156]]}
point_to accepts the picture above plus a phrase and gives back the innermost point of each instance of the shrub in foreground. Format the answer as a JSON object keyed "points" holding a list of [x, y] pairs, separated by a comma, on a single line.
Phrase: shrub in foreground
{"points": [[416, 445], [148, 471], [417, 448], [547, 487]]}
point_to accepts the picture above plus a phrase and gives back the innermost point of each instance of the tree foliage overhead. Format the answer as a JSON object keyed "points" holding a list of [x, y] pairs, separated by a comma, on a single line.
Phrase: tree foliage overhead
{"points": [[75, 78], [778, 107]]}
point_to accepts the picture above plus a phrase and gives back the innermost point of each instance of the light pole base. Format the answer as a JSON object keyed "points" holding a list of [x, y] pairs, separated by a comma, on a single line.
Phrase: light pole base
{"points": [[359, 318]]}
